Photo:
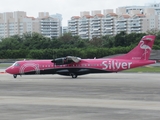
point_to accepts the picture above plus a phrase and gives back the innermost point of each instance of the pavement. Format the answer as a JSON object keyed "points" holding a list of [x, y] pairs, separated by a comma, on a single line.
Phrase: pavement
{"points": [[113, 96], [2, 71]]}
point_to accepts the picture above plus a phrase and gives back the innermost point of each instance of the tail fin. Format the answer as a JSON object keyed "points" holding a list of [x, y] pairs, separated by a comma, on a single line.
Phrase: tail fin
{"points": [[141, 51]]}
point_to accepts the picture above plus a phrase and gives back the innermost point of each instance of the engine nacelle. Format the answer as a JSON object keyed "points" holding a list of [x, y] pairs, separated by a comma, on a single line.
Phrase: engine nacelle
{"points": [[61, 61]]}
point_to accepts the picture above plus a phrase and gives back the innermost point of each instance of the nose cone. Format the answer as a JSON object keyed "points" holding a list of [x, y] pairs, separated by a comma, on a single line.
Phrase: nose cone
{"points": [[9, 70]]}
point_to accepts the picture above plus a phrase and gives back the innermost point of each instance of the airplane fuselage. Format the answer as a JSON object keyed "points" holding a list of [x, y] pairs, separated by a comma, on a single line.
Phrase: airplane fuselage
{"points": [[85, 66]]}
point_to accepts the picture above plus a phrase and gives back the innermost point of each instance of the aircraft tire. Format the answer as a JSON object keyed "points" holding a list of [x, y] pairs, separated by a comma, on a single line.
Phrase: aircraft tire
{"points": [[15, 76], [73, 75]]}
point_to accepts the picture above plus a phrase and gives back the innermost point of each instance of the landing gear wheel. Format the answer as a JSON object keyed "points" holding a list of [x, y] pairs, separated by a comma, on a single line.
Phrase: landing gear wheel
{"points": [[15, 76], [73, 75]]}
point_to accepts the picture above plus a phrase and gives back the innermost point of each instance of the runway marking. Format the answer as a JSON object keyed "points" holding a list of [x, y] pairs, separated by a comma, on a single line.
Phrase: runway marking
{"points": [[81, 102]]}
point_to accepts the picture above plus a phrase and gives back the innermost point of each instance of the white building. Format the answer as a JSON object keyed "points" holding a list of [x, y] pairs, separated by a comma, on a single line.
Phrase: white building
{"points": [[84, 30], [130, 19], [73, 25], [17, 23], [109, 24], [12, 23], [65, 30], [50, 27]]}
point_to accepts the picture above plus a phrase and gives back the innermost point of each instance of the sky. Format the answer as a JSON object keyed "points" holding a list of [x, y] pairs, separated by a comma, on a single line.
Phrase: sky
{"points": [[67, 8]]}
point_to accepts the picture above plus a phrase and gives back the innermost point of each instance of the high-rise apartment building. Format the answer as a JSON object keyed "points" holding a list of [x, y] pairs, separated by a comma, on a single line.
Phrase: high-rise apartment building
{"points": [[130, 19], [65, 30], [109, 23], [151, 13], [17, 23], [73, 25], [83, 26], [50, 27], [58, 17]]}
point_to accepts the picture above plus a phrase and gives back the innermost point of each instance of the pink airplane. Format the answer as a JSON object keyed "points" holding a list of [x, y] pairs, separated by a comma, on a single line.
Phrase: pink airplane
{"points": [[75, 66]]}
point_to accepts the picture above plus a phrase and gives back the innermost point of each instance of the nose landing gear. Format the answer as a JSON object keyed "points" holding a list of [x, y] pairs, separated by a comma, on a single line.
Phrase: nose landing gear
{"points": [[15, 76]]}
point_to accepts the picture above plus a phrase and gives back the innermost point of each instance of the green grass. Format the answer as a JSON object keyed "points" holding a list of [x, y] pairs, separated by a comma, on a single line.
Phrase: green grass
{"points": [[5, 65], [144, 69]]}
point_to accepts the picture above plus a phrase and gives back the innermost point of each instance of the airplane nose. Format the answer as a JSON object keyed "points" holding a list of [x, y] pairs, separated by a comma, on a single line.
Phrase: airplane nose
{"points": [[8, 70]]}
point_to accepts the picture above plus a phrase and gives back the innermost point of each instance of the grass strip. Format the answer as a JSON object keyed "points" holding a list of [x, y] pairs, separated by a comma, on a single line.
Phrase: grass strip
{"points": [[146, 69]]}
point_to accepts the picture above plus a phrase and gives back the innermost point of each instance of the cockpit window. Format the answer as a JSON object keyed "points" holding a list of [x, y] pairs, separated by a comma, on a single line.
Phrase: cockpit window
{"points": [[16, 64]]}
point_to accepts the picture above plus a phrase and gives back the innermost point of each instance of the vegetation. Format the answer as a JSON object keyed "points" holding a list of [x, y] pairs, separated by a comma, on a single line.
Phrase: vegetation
{"points": [[149, 69], [36, 46], [5, 65]]}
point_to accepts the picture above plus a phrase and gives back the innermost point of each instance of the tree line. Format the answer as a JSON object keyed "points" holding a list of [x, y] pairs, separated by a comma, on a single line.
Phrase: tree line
{"points": [[36, 46]]}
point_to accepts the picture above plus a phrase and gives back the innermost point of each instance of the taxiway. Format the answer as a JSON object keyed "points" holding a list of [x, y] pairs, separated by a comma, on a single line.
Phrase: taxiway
{"points": [[114, 96]]}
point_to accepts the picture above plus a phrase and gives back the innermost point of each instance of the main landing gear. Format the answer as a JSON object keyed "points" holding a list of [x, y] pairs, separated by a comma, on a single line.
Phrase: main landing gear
{"points": [[73, 75], [15, 76]]}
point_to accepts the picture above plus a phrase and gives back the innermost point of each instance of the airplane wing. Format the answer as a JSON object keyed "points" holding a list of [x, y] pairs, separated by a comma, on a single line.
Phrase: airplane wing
{"points": [[66, 60]]}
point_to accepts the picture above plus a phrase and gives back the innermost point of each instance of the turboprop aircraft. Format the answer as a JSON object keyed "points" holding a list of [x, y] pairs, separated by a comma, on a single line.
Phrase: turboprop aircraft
{"points": [[75, 66]]}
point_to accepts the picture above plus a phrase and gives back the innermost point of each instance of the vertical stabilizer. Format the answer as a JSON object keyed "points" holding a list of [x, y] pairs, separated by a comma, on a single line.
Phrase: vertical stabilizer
{"points": [[142, 51]]}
